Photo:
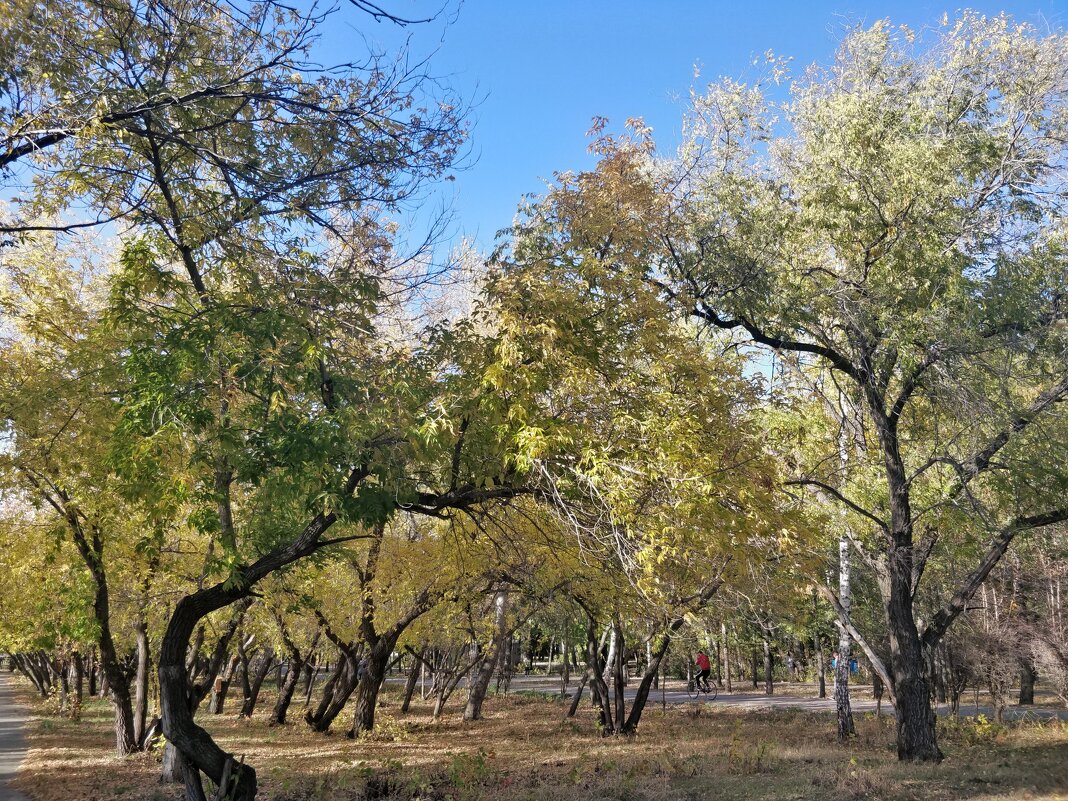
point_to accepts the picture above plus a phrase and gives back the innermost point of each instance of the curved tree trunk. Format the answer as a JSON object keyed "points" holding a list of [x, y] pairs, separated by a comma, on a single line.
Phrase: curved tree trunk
{"points": [[595, 673], [266, 662], [221, 686], [91, 549], [297, 664], [578, 696], [659, 650], [340, 694], [473, 710], [196, 751], [413, 678]]}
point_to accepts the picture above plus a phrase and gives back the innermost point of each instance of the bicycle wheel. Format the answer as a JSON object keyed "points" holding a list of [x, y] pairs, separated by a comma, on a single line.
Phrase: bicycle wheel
{"points": [[713, 691], [693, 691]]}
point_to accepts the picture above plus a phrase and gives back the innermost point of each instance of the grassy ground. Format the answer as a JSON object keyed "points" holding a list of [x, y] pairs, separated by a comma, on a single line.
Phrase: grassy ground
{"points": [[525, 750]]}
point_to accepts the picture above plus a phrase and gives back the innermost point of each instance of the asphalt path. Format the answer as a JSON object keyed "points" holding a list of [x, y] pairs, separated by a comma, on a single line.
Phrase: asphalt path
{"points": [[12, 739], [675, 693]]}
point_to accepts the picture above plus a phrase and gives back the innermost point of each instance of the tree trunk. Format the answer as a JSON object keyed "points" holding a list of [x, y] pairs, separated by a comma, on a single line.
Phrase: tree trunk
{"points": [[449, 684], [297, 663], [413, 679], [370, 684], [63, 672], [821, 667], [266, 661], [565, 669], [91, 671], [598, 688], [660, 649], [311, 717], [140, 708], [618, 682], [195, 749], [578, 696], [221, 687], [285, 695], [117, 682], [340, 692], [311, 668], [843, 710], [610, 658], [1027, 681], [78, 682], [473, 710], [917, 737], [244, 663], [769, 664], [726, 656]]}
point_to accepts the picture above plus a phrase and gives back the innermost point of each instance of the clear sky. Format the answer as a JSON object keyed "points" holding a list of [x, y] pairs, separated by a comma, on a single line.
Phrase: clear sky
{"points": [[541, 69]]}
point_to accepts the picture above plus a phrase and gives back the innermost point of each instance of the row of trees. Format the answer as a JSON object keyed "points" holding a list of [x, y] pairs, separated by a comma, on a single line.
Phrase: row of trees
{"points": [[239, 415]]}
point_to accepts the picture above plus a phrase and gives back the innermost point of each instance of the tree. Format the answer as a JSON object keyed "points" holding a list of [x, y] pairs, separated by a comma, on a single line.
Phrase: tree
{"points": [[660, 468], [896, 226], [57, 405], [253, 187]]}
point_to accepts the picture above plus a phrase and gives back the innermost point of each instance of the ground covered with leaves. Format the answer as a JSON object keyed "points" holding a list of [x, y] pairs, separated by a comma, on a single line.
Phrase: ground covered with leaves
{"points": [[525, 749]]}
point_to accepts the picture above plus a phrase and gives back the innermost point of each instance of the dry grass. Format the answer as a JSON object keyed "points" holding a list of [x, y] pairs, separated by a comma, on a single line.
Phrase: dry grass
{"points": [[524, 750]]}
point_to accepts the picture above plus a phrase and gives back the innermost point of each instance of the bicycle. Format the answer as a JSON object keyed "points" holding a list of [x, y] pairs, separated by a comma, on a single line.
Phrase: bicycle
{"points": [[695, 691]]}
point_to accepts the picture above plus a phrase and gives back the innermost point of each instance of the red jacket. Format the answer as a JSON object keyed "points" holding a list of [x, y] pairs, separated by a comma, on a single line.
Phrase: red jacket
{"points": [[702, 662]]}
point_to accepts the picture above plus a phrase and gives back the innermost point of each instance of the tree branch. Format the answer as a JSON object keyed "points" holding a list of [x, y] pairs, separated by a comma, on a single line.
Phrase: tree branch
{"points": [[837, 360], [942, 620], [877, 664], [860, 510]]}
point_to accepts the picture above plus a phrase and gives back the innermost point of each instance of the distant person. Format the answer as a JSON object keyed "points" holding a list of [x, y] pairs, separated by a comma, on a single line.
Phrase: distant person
{"points": [[705, 669]]}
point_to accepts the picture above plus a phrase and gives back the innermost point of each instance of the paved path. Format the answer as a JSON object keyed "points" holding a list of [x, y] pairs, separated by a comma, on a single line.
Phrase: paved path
{"points": [[758, 701], [12, 739]]}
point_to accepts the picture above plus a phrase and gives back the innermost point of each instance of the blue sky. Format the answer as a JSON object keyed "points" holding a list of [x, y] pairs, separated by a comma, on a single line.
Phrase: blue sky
{"points": [[541, 70]]}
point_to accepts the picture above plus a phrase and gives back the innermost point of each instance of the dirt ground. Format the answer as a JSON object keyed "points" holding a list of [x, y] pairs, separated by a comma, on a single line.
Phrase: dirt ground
{"points": [[525, 749]]}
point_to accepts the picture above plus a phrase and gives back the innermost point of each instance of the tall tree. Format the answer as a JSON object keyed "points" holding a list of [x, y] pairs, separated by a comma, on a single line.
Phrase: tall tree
{"points": [[898, 225]]}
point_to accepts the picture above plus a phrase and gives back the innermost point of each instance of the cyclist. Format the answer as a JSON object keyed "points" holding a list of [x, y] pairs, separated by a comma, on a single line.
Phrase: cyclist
{"points": [[705, 668]]}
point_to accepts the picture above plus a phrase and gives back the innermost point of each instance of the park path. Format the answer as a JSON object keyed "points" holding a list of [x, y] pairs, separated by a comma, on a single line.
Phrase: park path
{"points": [[12, 739], [761, 702]]}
